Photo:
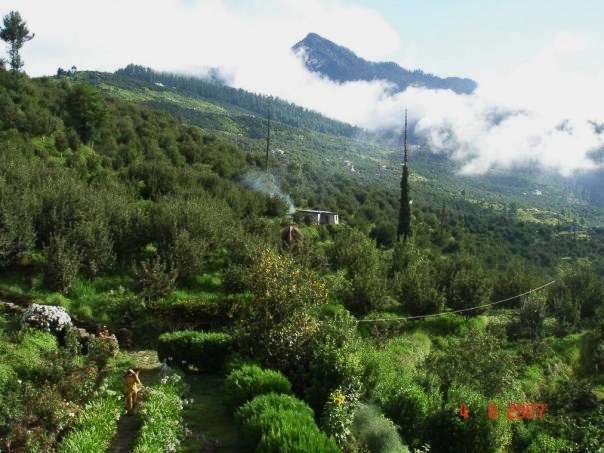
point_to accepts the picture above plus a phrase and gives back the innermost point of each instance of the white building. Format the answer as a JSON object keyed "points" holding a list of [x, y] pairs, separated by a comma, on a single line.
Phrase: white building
{"points": [[320, 217]]}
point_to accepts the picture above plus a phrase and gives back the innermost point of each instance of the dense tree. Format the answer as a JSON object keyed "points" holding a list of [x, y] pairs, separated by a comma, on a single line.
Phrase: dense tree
{"points": [[86, 111], [465, 284], [365, 286], [15, 34], [531, 316], [277, 325], [63, 261]]}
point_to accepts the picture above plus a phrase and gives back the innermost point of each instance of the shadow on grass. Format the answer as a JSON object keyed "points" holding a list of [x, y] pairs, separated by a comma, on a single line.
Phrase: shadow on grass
{"points": [[208, 417]]}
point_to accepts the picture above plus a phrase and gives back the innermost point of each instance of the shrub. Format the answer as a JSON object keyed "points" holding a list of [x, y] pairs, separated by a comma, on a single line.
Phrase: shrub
{"points": [[209, 350], [407, 404], [206, 350], [7, 377], [187, 254], [153, 280], [174, 347], [51, 318], [192, 311], [376, 432], [96, 425], [100, 349], [93, 238], [160, 414], [544, 443], [249, 381], [286, 434], [253, 417]]}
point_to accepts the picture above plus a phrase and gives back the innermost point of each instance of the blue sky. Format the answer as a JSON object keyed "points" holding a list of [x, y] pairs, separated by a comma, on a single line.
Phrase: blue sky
{"points": [[471, 37], [538, 63]]}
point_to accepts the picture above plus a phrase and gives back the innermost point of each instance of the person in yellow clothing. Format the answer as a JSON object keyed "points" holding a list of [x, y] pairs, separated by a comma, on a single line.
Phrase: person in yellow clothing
{"points": [[131, 382]]}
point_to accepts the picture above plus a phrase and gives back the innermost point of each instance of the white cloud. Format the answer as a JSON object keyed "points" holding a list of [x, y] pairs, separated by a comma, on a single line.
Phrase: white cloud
{"points": [[541, 108]]}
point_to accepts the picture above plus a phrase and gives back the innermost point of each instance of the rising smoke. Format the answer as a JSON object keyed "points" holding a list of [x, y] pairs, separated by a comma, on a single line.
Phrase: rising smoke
{"points": [[268, 184]]}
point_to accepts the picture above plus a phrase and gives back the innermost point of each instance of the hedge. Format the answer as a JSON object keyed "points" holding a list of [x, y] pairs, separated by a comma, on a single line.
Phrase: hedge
{"points": [[277, 422], [255, 416], [243, 384], [204, 350]]}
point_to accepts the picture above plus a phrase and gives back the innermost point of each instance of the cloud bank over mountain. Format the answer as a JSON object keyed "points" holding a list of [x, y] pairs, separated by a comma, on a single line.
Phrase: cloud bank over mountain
{"points": [[540, 112]]}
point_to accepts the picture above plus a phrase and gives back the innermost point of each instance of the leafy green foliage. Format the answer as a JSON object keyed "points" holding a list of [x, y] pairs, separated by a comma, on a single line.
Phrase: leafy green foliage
{"points": [[278, 422], [86, 111], [365, 286], [277, 326], [468, 362], [63, 261], [161, 414], [452, 433], [15, 34], [96, 425], [255, 416], [376, 432], [205, 350], [545, 443], [465, 284], [243, 384], [285, 434], [531, 316], [153, 279], [100, 349]]}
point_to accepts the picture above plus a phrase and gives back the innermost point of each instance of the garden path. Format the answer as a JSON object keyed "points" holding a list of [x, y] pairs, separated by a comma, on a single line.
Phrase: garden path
{"points": [[128, 426]]}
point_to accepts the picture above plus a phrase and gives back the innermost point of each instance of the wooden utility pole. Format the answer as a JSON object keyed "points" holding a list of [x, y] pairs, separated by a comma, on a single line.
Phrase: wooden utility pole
{"points": [[268, 138]]}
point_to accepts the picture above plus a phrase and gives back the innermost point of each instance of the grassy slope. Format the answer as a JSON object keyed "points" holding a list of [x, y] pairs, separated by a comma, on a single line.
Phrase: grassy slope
{"points": [[208, 417]]}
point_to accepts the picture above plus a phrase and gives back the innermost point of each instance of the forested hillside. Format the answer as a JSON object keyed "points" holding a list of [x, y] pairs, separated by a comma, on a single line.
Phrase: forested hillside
{"points": [[128, 217]]}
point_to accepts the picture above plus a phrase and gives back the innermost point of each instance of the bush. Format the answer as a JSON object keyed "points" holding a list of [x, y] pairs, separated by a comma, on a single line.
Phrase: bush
{"points": [[96, 425], [153, 280], [47, 317], [209, 350], [175, 347], [161, 414], [544, 443], [255, 416], [249, 381], [8, 376], [407, 404], [376, 432], [206, 350], [100, 349], [286, 434], [192, 311]]}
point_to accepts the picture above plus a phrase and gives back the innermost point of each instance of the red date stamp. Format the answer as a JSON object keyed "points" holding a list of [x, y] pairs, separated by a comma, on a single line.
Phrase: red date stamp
{"points": [[516, 411]]}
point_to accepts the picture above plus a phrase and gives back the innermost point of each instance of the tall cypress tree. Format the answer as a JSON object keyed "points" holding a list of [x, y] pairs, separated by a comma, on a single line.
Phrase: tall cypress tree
{"points": [[404, 217]]}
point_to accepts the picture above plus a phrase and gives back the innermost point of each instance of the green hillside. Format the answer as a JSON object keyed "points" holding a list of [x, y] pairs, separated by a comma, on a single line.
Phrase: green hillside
{"points": [[135, 206]]}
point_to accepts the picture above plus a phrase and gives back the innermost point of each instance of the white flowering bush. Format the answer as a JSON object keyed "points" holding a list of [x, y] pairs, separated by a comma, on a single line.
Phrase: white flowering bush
{"points": [[47, 317]]}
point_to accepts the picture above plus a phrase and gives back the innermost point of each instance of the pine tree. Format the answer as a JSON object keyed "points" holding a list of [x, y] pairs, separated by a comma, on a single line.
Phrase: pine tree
{"points": [[404, 218], [15, 34]]}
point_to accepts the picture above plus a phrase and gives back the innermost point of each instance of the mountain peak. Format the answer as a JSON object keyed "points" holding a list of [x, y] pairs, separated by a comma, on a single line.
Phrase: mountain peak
{"points": [[341, 64]]}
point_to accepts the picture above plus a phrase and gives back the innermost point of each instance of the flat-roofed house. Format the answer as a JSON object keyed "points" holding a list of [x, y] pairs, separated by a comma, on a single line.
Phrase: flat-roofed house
{"points": [[319, 217]]}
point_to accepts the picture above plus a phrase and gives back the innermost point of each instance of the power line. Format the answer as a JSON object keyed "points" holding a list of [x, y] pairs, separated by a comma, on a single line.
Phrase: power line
{"points": [[490, 304]]}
